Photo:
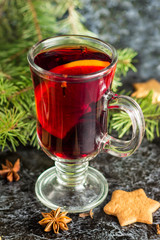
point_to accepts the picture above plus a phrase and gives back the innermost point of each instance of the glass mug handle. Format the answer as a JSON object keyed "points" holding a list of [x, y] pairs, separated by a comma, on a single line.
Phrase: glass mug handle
{"points": [[117, 147]]}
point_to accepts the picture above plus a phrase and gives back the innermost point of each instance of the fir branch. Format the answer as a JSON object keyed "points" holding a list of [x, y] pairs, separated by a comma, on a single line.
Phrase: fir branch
{"points": [[152, 117], [121, 122], [125, 59], [70, 19], [35, 19], [11, 51], [2, 74], [125, 63], [7, 88], [19, 53], [32, 127], [21, 92], [11, 126]]}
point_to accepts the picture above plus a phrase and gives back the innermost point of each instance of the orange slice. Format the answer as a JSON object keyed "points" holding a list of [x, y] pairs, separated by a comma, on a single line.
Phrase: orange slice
{"points": [[59, 113], [81, 67], [56, 113]]}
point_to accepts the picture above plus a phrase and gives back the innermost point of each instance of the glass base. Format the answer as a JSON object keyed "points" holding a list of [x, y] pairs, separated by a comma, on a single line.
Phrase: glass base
{"points": [[79, 198]]}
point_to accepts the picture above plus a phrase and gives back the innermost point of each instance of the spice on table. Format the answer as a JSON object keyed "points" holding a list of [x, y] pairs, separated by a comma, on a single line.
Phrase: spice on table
{"points": [[83, 215], [55, 220], [158, 229], [91, 213], [10, 171]]}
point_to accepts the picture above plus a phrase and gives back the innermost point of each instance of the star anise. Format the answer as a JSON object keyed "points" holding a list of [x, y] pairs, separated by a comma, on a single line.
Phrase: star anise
{"points": [[9, 171], [55, 220]]}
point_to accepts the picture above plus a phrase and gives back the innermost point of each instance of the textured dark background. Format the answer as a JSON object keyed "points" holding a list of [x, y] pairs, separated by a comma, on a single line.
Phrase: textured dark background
{"points": [[20, 211], [134, 24], [129, 23]]}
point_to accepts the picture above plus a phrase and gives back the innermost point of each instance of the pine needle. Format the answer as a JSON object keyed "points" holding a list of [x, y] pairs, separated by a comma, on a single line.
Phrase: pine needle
{"points": [[121, 122]]}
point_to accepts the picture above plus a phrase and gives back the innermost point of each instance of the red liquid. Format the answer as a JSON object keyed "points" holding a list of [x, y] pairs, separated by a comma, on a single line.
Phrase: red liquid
{"points": [[71, 119]]}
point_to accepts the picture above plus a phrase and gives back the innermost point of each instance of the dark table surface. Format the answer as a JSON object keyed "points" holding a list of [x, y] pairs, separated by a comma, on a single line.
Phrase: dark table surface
{"points": [[124, 23], [20, 210]]}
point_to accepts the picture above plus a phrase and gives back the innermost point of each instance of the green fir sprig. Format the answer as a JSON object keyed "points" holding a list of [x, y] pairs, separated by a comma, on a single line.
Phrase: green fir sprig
{"points": [[12, 124], [23, 23], [70, 19], [125, 63], [121, 122]]}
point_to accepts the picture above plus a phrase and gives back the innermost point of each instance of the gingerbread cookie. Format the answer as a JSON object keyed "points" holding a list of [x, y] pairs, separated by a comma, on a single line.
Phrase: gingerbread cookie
{"points": [[131, 207], [143, 88]]}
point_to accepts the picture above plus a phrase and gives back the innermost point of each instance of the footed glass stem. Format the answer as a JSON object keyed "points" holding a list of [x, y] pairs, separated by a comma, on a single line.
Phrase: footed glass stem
{"points": [[73, 187]]}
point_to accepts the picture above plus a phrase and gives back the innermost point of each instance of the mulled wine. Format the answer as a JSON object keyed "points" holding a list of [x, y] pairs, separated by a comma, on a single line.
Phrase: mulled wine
{"points": [[70, 111]]}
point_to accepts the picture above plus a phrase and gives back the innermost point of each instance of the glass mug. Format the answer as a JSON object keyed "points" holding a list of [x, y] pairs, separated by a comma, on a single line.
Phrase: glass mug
{"points": [[72, 77]]}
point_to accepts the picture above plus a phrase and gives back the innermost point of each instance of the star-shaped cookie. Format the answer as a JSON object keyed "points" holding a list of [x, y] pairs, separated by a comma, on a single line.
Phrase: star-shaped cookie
{"points": [[142, 90], [131, 207]]}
